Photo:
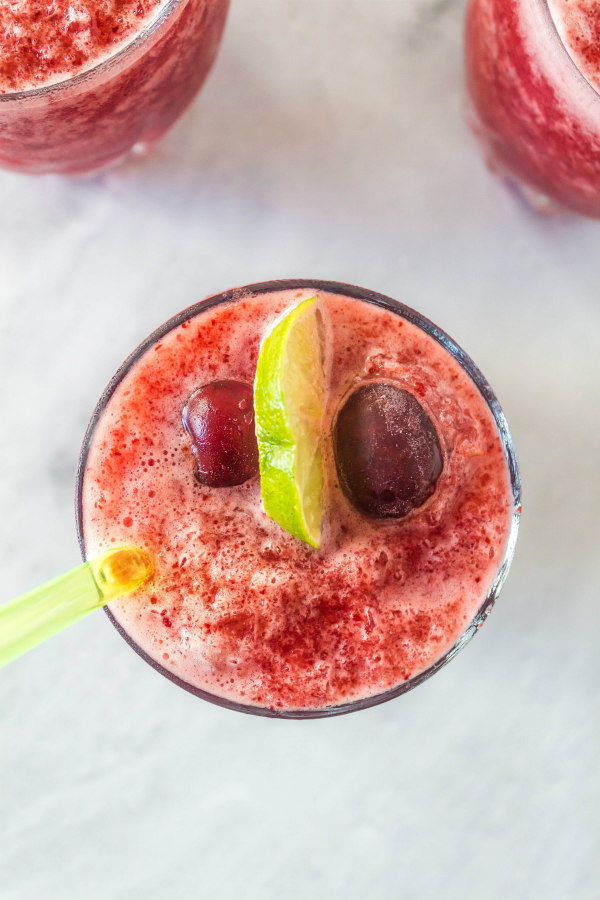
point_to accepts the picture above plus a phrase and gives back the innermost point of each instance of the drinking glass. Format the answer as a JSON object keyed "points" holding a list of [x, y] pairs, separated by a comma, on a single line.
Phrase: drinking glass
{"points": [[536, 115], [84, 123], [464, 361]]}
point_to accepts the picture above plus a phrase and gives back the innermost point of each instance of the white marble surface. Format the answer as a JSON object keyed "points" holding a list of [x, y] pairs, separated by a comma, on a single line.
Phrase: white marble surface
{"points": [[328, 143]]}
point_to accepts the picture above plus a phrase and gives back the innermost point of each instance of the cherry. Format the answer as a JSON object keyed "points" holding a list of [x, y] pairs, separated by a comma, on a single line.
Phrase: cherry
{"points": [[219, 418], [387, 452]]}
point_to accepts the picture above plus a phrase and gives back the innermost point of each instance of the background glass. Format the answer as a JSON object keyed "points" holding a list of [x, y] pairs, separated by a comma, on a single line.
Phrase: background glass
{"points": [[95, 118], [535, 114]]}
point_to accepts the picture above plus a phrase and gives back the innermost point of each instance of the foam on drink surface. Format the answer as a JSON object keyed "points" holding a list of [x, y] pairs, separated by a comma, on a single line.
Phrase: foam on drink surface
{"points": [[46, 41], [240, 608], [578, 24]]}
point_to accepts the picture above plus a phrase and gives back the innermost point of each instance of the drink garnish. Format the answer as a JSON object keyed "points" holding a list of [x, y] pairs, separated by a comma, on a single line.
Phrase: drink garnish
{"points": [[387, 452], [289, 393], [219, 420]]}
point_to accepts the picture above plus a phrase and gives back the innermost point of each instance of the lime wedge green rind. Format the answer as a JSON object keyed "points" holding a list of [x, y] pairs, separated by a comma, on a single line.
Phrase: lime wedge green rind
{"points": [[288, 402]]}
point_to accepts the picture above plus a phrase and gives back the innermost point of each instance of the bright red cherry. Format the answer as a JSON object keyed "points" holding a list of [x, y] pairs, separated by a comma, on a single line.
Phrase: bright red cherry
{"points": [[219, 418]]}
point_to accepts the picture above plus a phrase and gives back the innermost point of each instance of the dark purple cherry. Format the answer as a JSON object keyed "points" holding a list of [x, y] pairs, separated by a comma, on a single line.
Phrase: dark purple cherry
{"points": [[219, 418], [387, 453]]}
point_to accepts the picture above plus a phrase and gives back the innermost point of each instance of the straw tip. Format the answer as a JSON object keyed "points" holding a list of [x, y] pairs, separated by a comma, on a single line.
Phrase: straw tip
{"points": [[121, 570]]}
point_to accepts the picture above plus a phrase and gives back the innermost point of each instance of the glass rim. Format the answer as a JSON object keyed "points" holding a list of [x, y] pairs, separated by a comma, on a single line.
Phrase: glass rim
{"points": [[550, 22], [122, 53], [466, 363]]}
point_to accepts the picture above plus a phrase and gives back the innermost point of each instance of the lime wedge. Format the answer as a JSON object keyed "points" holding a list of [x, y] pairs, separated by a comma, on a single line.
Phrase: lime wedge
{"points": [[289, 392]]}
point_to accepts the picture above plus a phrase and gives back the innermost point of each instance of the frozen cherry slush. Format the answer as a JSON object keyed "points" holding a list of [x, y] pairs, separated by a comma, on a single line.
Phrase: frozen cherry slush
{"points": [[533, 73], [420, 513], [81, 83]]}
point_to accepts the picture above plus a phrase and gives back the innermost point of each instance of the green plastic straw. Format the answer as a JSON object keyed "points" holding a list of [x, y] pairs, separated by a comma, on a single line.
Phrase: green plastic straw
{"points": [[32, 618]]}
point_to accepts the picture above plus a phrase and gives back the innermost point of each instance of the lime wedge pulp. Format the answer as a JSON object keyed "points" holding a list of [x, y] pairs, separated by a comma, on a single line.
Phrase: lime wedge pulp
{"points": [[289, 392]]}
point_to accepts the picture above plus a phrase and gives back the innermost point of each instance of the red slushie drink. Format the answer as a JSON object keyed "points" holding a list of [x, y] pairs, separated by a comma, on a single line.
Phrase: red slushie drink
{"points": [[533, 71], [82, 82], [242, 612]]}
